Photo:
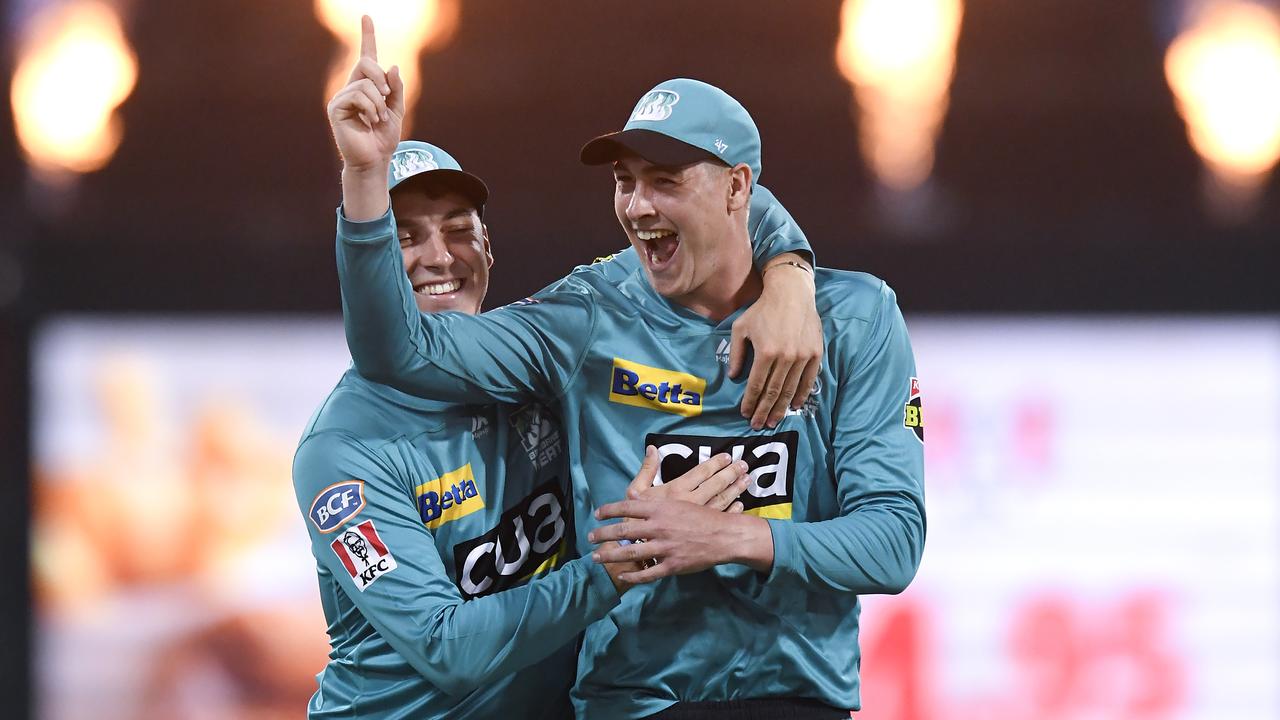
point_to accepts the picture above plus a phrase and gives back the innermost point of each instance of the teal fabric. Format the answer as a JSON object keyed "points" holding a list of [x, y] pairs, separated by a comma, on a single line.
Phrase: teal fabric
{"points": [[841, 481], [442, 634]]}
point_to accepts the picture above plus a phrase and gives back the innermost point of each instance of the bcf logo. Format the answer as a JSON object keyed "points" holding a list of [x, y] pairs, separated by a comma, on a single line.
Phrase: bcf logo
{"points": [[336, 504]]}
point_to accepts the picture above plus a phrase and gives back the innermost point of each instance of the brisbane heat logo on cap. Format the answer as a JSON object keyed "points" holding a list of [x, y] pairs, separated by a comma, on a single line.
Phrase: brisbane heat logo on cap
{"points": [[412, 162], [336, 504], [655, 106], [448, 497], [654, 388], [912, 419]]}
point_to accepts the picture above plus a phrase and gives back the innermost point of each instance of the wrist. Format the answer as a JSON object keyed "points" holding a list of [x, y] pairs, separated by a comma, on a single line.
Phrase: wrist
{"points": [[750, 542]]}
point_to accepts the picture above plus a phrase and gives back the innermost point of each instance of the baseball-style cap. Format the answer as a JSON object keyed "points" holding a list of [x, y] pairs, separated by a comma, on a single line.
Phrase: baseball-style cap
{"points": [[414, 157], [683, 121]]}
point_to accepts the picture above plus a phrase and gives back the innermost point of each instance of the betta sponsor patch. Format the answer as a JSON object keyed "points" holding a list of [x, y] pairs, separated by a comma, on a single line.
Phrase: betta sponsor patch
{"points": [[654, 388], [336, 504], [363, 554], [448, 497]]}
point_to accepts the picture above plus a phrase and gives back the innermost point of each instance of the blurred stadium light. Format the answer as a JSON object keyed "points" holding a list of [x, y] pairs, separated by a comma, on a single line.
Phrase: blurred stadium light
{"points": [[1224, 69], [74, 68], [899, 56], [405, 29]]}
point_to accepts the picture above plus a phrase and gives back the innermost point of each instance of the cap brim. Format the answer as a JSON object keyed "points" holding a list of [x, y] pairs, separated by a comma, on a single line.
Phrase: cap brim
{"points": [[655, 147], [464, 183]]}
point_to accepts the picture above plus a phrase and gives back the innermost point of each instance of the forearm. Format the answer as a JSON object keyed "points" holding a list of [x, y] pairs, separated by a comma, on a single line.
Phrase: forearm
{"points": [[364, 192], [875, 550], [464, 644]]}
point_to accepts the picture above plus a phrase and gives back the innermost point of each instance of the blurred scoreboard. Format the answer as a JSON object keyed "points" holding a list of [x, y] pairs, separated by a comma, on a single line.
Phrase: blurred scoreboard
{"points": [[1103, 495]]}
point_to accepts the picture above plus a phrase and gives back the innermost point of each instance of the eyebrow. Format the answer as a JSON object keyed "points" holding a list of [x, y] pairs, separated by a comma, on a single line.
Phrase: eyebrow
{"points": [[460, 212]]}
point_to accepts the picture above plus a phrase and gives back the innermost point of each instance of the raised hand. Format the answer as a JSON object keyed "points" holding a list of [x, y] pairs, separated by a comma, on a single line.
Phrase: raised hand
{"points": [[366, 114]]}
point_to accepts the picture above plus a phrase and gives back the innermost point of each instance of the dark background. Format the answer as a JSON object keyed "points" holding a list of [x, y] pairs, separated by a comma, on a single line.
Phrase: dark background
{"points": [[1064, 180]]}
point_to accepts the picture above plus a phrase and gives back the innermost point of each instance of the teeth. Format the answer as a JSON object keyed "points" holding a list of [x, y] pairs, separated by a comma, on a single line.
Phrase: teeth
{"points": [[439, 288], [653, 234]]}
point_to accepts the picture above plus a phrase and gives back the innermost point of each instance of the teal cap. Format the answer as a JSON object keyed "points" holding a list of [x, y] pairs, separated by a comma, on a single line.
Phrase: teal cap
{"points": [[682, 121], [414, 157]]}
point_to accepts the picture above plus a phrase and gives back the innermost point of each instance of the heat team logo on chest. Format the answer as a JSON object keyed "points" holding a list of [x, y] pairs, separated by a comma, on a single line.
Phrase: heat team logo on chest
{"points": [[654, 388], [363, 554], [771, 465], [448, 497], [539, 434]]}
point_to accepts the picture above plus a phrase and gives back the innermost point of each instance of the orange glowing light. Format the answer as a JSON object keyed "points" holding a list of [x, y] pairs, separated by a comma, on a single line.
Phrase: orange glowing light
{"points": [[74, 69], [1224, 70], [899, 55], [405, 29]]}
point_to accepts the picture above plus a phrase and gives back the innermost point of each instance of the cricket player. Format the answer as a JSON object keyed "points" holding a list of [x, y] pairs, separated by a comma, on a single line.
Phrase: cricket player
{"points": [[436, 526]]}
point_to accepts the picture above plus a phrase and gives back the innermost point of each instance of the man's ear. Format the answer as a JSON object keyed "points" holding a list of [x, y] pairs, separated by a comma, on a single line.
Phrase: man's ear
{"points": [[488, 253], [739, 187]]}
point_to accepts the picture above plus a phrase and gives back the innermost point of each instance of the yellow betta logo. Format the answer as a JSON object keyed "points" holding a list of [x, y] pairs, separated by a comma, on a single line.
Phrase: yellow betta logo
{"points": [[448, 497], [656, 389]]}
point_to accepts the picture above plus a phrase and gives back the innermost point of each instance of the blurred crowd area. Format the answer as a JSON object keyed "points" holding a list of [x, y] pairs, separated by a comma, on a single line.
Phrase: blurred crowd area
{"points": [[1104, 533]]}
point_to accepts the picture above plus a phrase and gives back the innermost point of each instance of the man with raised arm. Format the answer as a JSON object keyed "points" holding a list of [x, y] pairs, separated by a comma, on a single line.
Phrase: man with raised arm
{"points": [[436, 526]]}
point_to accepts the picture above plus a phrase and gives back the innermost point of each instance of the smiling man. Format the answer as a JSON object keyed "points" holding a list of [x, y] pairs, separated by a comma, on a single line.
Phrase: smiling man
{"points": [[835, 508]]}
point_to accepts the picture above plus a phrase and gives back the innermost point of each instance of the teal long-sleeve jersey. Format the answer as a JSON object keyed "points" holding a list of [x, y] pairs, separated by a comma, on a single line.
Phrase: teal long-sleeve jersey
{"points": [[428, 518], [435, 529], [840, 481]]}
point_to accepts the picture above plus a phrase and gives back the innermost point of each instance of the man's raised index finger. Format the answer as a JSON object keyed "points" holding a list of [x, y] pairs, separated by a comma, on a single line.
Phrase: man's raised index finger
{"points": [[368, 43]]}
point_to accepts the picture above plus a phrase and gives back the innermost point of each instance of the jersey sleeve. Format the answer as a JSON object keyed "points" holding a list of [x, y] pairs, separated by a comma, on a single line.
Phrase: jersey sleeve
{"points": [[366, 531], [875, 545], [530, 349], [772, 229]]}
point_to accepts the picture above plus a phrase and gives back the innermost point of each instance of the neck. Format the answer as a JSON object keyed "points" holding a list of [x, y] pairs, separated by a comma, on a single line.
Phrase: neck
{"points": [[733, 282]]}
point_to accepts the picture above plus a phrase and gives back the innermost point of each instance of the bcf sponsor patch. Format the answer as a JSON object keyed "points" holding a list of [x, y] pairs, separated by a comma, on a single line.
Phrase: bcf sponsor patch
{"points": [[529, 538], [448, 497], [336, 504], [654, 388], [912, 419], [363, 554], [771, 465]]}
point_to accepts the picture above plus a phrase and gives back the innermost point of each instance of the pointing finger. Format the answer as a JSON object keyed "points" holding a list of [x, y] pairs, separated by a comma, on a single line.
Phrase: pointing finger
{"points": [[368, 43]]}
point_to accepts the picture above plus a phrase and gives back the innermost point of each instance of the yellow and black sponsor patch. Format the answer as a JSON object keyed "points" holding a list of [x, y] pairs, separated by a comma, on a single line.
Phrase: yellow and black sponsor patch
{"points": [[771, 464], [530, 538], [448, 497], [654, 388], [912, 417]]}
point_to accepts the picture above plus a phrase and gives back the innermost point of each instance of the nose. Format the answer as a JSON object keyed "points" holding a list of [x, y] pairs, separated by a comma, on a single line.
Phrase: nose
{"points": [[640, 205], [433, 253]]}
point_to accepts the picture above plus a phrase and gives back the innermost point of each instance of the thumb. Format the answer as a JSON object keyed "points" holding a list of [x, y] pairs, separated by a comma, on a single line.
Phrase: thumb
{"points": [[644, 478]]}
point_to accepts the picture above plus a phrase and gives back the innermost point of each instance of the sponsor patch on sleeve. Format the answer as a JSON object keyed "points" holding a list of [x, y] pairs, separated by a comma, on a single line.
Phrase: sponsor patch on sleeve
{"points": [[363, 554], [912, 419], [336, 504]]}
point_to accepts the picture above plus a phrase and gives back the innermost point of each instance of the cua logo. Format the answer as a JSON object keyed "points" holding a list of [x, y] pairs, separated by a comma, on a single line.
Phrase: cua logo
{"points": [[448, 497], [656, 388], [655, 106]]}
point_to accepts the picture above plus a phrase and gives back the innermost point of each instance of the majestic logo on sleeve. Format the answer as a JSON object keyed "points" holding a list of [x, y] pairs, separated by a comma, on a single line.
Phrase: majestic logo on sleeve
{"points": [[528, 539], [655, 106], [363, 554], [656, 389], [911, 417], [336, 504], [448, 497], [771, 464], [539, 434]]}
